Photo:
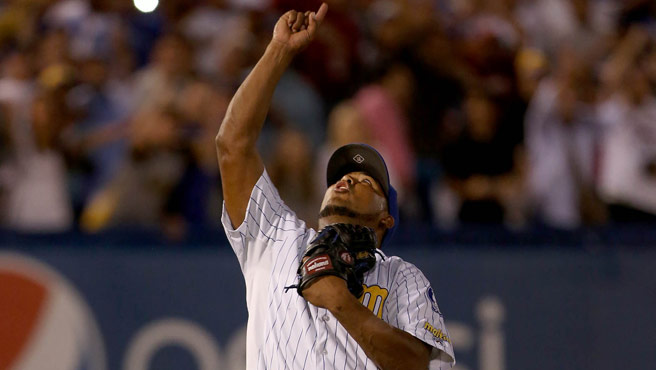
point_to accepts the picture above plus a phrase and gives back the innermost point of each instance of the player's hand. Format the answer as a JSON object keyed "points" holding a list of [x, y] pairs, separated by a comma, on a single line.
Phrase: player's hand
{"points": [[328, 292], [295, 30]]}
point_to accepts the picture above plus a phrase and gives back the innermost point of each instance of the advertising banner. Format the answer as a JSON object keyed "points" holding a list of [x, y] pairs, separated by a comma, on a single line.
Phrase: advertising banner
{"points": [[137, 308]]}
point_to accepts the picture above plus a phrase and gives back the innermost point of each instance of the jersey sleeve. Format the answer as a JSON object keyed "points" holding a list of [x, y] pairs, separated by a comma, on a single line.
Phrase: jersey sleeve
{"points": [[266, 221], [414, 309]]}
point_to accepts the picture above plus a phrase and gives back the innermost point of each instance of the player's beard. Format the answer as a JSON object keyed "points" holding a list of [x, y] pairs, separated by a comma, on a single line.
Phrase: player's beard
{"points": [[332, 210]]}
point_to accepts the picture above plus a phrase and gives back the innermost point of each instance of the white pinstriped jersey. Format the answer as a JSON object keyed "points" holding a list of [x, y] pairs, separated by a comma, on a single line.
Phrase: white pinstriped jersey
{"points": [[285, 331]]}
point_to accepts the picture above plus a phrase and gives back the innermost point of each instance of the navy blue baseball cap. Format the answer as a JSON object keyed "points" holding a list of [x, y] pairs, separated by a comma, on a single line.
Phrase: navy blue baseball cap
{"points": [[364, 158]]}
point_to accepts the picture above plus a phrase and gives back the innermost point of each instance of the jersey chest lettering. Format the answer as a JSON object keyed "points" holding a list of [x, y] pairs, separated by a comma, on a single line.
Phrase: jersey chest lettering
{"points": [[374, 299]]}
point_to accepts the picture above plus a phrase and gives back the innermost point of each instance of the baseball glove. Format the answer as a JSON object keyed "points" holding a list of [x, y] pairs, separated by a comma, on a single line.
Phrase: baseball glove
{"points": [[343, 250]]}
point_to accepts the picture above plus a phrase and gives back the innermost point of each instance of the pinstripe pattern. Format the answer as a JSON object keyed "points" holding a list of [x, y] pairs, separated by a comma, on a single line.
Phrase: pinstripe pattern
{"points": [[286, 332]]}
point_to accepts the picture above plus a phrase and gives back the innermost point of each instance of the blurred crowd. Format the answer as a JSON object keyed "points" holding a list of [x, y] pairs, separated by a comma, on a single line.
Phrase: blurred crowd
{"points": [[513, 112]]}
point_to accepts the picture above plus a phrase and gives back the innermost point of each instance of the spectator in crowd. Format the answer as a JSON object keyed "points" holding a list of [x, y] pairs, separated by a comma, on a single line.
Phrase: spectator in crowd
{"points": [[291, 162], [547, 24], [345, 125], [383, 107], [561, 140], [17, 90], [481, 167], [95, 141], [136, 196], [190, 202], [159, 83], [38, 199], [297, 104], [627, 179], [220, 36]]}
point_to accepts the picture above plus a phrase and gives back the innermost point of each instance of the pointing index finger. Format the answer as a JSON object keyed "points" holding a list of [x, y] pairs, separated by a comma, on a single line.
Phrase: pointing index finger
{"points": [[321, 13]]}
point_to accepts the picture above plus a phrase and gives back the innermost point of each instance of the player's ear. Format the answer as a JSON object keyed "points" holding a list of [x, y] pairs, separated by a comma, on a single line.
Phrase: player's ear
{"points": [[387, 222]]}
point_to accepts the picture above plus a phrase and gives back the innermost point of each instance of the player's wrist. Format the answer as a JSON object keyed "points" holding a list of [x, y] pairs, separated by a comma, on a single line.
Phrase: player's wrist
{"points": [[280, 51], [342, 302]]}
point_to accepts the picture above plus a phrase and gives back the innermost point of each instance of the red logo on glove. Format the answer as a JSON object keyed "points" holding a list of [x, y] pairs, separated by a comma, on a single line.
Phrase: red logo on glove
{"points": [[318, 263]]}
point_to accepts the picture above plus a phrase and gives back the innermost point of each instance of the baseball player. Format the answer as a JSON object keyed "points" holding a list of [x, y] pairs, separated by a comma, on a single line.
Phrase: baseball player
{"points": [[346, 316]]}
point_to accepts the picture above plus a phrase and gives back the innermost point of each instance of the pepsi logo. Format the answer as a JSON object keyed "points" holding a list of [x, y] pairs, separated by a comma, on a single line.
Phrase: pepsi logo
{"points": [[44, 320]]}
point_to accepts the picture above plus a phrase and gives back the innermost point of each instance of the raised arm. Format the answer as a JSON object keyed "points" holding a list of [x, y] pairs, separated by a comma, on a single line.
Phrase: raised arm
{"points": [[239, 162]]}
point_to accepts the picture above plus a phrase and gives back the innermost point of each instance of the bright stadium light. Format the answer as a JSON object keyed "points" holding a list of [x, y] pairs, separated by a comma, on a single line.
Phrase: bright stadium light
{"points": [[146, 6]]}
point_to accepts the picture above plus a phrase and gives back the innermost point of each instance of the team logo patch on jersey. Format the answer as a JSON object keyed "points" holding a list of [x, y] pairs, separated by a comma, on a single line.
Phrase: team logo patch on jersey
{"points": [[374, 299], [318, 263], [431, 297]]}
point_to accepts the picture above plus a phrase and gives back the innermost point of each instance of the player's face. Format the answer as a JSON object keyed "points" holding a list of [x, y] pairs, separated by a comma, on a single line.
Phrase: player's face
{"points": [[356, 192]]}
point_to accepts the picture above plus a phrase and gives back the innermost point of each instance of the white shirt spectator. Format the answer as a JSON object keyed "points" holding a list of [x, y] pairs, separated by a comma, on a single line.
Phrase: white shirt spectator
{"points": [[560, 156], [628, 147], [549, 23], [38, 199]]}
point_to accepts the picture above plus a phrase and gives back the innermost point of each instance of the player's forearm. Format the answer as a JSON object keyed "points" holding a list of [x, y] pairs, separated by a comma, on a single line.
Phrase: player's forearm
{"points": [[387, 346], [249, 106]]}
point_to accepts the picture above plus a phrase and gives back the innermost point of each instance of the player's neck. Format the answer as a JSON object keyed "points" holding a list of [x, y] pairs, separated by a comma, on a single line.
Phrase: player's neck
{"points": [[338, 219], [325, 221]]}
